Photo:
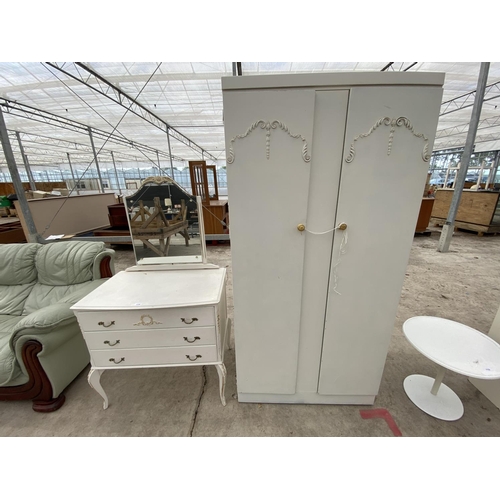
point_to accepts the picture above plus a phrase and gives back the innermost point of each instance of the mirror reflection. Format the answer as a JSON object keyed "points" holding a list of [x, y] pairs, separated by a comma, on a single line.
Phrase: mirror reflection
{"points": [[164, 222]]}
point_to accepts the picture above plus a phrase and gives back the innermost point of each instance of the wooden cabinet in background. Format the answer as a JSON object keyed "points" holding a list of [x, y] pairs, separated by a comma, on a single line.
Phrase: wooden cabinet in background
{"points": [[215, 211], [216, 217], [478, 210], [424, 216]]}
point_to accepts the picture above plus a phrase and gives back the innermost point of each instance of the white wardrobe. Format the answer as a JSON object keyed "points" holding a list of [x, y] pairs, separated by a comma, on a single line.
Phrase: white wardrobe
{"points": [[325, 179]]}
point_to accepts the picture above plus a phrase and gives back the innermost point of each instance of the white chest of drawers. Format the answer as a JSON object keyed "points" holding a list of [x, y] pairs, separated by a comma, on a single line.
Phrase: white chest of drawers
{"points": [[150, 319]]}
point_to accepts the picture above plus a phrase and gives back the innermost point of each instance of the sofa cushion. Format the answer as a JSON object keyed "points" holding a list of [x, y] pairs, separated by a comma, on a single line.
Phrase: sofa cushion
{"points": [[13, 298], [17, 263], [9, 368], [45, 295], [66, 263]]}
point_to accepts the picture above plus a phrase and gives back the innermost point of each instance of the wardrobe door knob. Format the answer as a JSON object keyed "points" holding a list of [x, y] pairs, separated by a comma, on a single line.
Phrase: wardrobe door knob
{"points": [[301, 227]]}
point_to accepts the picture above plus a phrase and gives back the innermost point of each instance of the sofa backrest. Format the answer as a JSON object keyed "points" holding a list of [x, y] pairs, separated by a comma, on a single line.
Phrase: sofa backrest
{"points": [[67, 262], [33, 275], [17, 263], [18, 275]]}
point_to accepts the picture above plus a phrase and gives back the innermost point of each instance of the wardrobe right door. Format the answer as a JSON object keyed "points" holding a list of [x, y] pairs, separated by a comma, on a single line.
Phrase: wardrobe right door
{"points": [[389, 137]]}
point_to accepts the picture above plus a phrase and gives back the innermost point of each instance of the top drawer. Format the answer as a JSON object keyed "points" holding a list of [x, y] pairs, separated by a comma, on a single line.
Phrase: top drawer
{"points": [[146, 319]]}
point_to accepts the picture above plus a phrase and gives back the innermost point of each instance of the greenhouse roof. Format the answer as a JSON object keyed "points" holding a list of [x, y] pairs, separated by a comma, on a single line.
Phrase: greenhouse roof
{"points": [[49, 107]]}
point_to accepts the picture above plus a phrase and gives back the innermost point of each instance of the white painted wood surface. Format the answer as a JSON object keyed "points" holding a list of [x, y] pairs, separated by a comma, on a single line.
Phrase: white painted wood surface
{"points": [[265, 210], [145, 338], [140, 290], [308, 330], [137, 319], [346, 79], [143, 320], [379, 199], [154, 356]]}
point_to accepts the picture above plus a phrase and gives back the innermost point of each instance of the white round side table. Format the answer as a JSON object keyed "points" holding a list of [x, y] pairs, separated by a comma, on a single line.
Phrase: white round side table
{"points": [[452, 346]]}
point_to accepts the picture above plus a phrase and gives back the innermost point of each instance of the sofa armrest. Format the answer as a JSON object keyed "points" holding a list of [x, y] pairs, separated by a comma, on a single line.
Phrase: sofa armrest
{"points": [[48, 324], [44, 325], [104, 264]]}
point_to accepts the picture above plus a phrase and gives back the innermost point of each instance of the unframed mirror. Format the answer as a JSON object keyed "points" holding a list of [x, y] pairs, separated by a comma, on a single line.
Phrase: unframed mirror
{"points": [[166, 224]]}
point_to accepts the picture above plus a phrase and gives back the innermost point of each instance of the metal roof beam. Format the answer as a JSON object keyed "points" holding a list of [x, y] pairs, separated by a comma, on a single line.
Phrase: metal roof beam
{"points": [[410, 66], [31, 113], [468, 99], [462, 129], [75, 148], [460, 142], [115, 94]]}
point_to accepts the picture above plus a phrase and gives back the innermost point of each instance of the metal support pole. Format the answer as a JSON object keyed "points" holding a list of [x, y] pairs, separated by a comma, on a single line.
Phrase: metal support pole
{"points": [[32, 236], [493, 171], [96, 162], [237, 69], [116, 173], [480, 176], [170, 155], [26, 163], [159, 163], [447, 232], [73, 175]]}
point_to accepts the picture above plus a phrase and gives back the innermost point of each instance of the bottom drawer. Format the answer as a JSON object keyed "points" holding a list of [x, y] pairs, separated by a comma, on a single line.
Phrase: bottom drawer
{"points": [[115, 358]]}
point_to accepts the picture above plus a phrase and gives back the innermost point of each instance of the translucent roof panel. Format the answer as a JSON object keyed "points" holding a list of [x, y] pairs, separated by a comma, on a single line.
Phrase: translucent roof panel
{"points": [[130, 105]]}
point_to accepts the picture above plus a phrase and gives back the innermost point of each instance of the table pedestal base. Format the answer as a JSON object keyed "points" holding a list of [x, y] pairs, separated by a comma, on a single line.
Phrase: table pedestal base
{"points": [[445, 405]]}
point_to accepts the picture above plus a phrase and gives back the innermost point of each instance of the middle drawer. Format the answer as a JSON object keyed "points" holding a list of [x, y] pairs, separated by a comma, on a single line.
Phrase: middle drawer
{"points": [[151, 338]]}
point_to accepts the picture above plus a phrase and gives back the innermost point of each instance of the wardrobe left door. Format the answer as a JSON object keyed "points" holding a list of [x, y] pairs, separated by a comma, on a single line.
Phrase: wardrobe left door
{"points": [[268, 145]]}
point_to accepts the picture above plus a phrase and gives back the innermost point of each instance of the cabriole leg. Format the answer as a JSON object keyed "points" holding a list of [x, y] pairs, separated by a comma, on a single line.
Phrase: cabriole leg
{"points": [[221, 370], [94, 379]]}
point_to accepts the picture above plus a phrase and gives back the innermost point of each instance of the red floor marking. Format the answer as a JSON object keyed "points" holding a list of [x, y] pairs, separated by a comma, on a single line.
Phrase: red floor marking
{"points": [[381, 413]]}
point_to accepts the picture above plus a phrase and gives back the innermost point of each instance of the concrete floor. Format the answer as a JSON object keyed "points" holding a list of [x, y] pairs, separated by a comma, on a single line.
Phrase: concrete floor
{"points": [[185, 401]]}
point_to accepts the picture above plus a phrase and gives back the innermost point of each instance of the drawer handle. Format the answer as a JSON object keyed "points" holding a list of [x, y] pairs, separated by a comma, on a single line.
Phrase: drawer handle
{"points": [[191, 341], [101, 323], [196, 357], [116, 362], [189, 322], [110, 344]]}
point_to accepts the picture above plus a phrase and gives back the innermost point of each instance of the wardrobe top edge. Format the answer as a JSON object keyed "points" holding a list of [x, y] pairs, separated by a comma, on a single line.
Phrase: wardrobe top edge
{"points": [[345, 79]]}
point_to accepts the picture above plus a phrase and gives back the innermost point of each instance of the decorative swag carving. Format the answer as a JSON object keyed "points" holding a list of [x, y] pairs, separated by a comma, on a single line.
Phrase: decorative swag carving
{"points": [[268, 126], [393, 123]]}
